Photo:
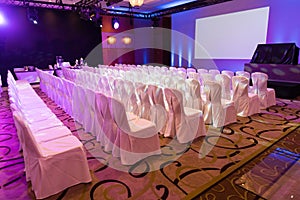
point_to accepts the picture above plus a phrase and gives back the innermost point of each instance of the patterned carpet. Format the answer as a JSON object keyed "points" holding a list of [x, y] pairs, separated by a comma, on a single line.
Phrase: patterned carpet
{"points": [[179, 173]]}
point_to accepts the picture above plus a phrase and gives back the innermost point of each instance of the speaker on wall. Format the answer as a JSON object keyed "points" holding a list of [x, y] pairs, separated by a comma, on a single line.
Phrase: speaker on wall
{"points": [[281, 53]]}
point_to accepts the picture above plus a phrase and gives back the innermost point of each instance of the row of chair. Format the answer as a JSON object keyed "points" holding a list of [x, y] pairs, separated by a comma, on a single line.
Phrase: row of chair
{"points": [[159, 75], [131, 139], [135, 97], [49, 148]]}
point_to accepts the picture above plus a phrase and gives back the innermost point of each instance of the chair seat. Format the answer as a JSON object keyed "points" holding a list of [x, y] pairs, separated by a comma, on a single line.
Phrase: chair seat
{"points": [[52, 133], [141, 124], [131, 116], [58, 146], [45, 124]]}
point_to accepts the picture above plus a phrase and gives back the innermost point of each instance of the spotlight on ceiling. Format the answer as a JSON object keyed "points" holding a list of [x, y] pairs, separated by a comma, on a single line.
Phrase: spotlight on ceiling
{"points": [[32, 15], [115, 23]]}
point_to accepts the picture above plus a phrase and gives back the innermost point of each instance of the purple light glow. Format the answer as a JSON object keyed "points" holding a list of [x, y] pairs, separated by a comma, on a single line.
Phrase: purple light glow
{"points": [[2, 20]]}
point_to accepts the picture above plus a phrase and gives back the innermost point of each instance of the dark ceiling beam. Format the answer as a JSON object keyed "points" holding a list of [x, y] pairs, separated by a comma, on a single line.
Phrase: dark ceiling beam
{"points": [[186, 7], [84, 4], [40, 4]]}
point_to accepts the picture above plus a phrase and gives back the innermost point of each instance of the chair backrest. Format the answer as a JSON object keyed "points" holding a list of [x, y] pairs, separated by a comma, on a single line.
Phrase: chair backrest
{"points": [[243, 73], [214, 72], [145, 103], [156, 94], [240, 88], [213, 90], [118, 114], [204, 77], [225, 83], [194, 99], [229, 73], [29, 144], [260, 82], [201, 70], [191, 70]]}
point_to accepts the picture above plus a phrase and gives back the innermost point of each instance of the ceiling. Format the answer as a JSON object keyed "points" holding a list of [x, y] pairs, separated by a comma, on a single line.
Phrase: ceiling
{"points": [[149, 9]]}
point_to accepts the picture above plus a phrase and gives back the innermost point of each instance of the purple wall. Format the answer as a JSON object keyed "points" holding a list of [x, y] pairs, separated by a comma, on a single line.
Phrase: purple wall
{"points": [[284, 27], [57, 33]]}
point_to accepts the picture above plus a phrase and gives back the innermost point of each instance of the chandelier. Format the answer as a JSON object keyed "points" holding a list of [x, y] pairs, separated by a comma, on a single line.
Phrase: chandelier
{"points": [[134, 3]]}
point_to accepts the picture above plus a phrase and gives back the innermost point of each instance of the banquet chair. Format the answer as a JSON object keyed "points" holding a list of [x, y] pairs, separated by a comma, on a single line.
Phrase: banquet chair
{"points": [[229, 73], [225, 83], [79, 103], [89, 123], [222, 111], [47, 164], [136, 139], [156, 95], [214, 72], [243, 73], [181, 85], [69, 88], [266, 95], [107, 132], [201, 70], [204, 77], [190, 69], [186, 124], [193, 75], [194, 99], [246, 103]]}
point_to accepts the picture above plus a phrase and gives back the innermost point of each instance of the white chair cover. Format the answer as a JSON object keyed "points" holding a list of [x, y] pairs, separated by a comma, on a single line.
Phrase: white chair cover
{"points": [[246, 104], [222, 111], [200, 70], [229, 73], [243, 73], [214, 72], [194, 99], [225, 83], [184, 123], [48, 163], [137, 139], [265, 95]]}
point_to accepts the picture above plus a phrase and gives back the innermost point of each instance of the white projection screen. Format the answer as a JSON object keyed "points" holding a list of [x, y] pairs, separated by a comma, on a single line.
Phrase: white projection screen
{"points": [[231, 36]]}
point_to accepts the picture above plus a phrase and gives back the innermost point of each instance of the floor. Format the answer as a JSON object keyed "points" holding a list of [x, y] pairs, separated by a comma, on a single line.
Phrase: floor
{"points": [[255, 158]]}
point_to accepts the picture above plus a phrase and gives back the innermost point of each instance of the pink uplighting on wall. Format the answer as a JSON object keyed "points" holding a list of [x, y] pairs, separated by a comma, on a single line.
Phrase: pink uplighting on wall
{"points": [[2, 19]]}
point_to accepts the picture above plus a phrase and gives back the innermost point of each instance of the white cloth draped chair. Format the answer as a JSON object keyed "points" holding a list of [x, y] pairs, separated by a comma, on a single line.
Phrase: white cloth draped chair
{"points": [[194, 99], [266, 95], [136, 139], [243, 73], [193, 75], [219, 112], [181, 85], [107, 132], [79, 103], [246, 103], [185, 123], [214, 72], [52, 166], [225, 83], [229, 73], [69, 88], [191, 70], [89, 121], [201, 70]]}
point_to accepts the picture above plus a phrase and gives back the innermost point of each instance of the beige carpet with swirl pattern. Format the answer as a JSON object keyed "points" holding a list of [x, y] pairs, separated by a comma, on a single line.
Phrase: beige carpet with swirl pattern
{"points": [[178, 173]]}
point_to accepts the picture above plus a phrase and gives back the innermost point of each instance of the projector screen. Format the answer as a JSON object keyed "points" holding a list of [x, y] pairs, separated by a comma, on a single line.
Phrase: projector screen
{"points": [[231, 36]]}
